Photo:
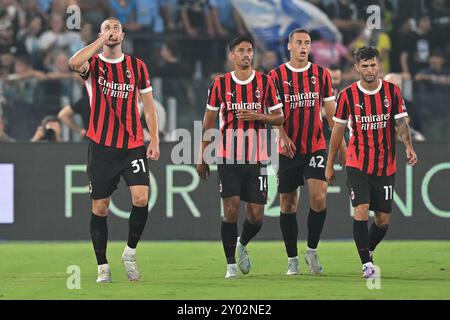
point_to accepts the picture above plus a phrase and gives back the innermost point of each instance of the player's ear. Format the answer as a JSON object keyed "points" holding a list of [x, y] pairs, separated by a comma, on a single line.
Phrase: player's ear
{"points": [[356, 67], [289, 46]]}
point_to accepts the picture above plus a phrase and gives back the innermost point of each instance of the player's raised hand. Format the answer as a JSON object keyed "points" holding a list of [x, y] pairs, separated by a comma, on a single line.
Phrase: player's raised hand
{"points": [[153, 150], [329, 174], [108, 35], [203, 170], [248, 115], [411, 155]]}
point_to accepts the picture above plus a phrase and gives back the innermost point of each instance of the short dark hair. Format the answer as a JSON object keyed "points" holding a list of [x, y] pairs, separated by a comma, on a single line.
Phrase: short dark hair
{"points": [[237, 41], [298, 30], [366, 53]]}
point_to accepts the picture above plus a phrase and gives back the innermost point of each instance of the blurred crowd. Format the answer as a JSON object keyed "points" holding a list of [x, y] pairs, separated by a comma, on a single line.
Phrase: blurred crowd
{"points": [[184, 43]]}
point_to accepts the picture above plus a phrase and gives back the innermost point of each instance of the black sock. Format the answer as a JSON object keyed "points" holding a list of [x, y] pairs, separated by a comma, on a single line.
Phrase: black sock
{"points": [[99, 236], [361, 236], [289, 229], [136, 224], [229, 233], [376, 234], [249, 230], [315, 226]]}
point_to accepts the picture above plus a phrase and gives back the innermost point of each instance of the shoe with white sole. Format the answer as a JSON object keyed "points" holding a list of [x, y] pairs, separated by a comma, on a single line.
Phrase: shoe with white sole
{"points": [[232, 271], [243, 258], [368, 270], [129, 261], [103, 274], [292, 268], [313, 262]]}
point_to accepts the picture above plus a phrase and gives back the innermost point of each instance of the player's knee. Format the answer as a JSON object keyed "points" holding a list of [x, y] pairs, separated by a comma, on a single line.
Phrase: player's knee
{"points": [[140, 200], [231, 211], [100, 209], [255, 214], [288, 205], [362, 212], [318, 202], [256, 219], [382, 222], [382, 226]]}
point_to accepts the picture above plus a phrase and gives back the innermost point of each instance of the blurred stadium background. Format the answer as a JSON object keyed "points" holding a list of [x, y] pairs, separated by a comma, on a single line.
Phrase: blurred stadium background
{"points": [[43, 185]]}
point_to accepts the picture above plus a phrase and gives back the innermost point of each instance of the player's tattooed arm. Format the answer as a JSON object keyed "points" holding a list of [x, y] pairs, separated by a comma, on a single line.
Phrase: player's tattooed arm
{"points": [[403, 131], [404, 134]]}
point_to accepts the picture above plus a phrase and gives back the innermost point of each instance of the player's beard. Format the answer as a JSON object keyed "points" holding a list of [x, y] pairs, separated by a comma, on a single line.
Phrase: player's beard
{"points": [[370, 79], [113, 45]]}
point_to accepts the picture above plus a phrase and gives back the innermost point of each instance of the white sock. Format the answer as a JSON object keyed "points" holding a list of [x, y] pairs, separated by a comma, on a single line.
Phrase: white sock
{"points": [[102, 266], [231, 265], [292, 258], [309, 249], [368, 264], [129, 251]]}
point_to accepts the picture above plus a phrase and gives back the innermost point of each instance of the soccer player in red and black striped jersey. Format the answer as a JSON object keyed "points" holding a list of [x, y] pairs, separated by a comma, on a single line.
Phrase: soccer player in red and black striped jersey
{"points": [[116, 148], [304, 88], [245, 100], [373, 109]]}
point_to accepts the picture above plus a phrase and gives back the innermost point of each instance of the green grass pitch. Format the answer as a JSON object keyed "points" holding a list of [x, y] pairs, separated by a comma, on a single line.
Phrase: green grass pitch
{"points": [[195, 270]]}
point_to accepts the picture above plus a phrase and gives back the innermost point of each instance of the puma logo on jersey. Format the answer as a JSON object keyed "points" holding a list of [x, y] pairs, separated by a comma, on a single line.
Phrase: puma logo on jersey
{"points": [[231, 94], [103, 71], [289, 83], [360, 105]]}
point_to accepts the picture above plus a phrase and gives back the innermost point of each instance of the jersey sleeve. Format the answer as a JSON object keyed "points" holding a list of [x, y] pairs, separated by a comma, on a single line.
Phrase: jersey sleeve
{"points": [[342, 109], [214, 102], [144, 84], [273, 100], [328, 87], [399, 106], [85, 75], [274, 75]]}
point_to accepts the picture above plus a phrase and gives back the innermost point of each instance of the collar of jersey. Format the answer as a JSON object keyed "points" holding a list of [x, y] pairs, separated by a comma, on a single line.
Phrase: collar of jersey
{"points": [[118, 60], [290, 67], [245, 81], [360, 87]]}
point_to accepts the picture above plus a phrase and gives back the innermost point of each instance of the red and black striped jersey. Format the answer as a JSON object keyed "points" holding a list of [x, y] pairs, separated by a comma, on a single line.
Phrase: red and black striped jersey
{"points": [[113, 87], [302, 92], [243, 140], [371, 116]]}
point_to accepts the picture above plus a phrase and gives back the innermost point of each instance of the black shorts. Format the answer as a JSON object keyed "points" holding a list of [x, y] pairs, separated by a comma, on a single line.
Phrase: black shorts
{"points": [[377, 191], [293, 172], [249, 181], [107, 164]]}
